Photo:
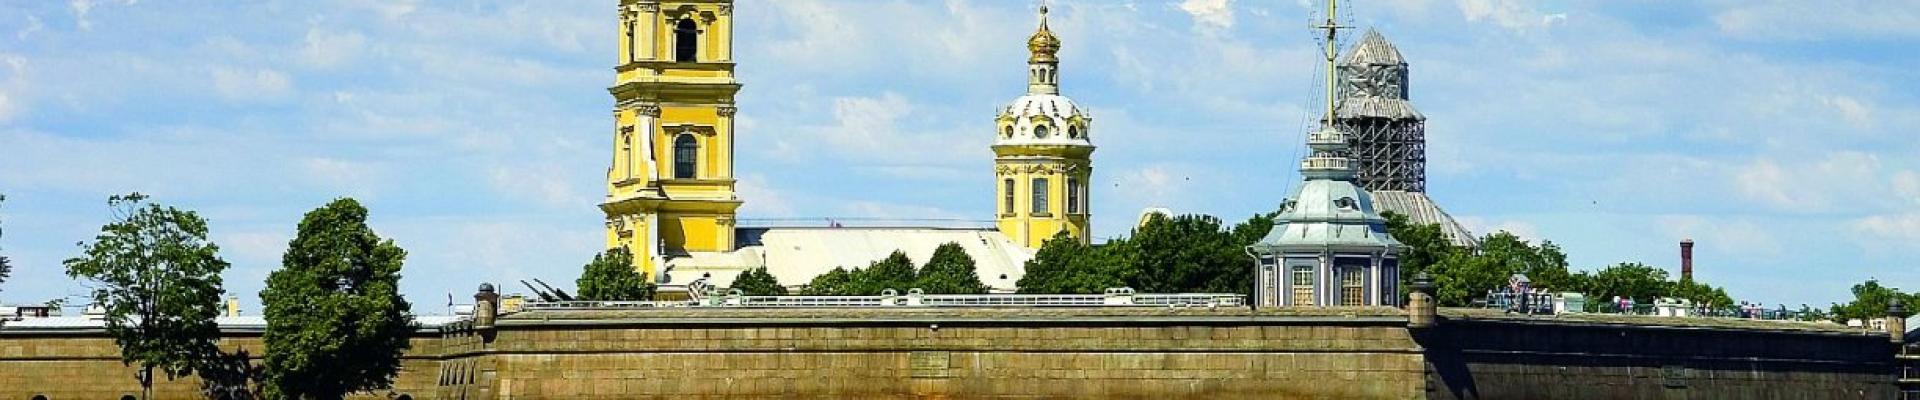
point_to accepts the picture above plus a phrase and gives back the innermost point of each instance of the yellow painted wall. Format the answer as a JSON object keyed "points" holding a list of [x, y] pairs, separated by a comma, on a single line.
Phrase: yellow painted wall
{"points": [[1056, 164], [659, 98]]}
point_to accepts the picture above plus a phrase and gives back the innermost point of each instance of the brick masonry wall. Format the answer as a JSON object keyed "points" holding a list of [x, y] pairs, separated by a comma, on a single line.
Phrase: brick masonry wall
{"points": [[86, 365], [1146, 360], [1519, 359]]}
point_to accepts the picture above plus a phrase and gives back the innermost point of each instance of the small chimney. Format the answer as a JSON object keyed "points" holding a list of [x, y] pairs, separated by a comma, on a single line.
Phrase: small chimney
{"points": [[233, 306], [1686, 259]]}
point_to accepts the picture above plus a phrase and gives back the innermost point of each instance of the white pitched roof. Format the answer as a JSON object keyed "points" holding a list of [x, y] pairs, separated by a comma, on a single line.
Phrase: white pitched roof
{"points": [[796, 255]]}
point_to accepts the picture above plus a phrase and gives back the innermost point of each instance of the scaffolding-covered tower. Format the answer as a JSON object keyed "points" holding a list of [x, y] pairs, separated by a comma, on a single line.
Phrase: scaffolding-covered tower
{"points": [[1388, 136]]}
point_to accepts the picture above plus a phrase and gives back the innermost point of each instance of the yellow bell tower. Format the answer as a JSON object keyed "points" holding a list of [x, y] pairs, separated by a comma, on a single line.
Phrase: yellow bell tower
{"points": [[670, 188], [1043, 153]]}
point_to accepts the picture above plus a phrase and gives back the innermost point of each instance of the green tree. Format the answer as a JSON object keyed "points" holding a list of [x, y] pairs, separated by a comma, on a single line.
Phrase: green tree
{"points": [[611, 277], [336, 322], [949, 271], [1064, 265], [1189, 253], [1636, 281], [1870, 301], [758, 282], [1700, 293], [836, 282], [158, 278], [894, 272]]}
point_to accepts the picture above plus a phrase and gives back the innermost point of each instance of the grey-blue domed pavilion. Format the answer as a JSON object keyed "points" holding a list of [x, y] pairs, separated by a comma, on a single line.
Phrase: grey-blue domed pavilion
{"points": [[1328, 246]]}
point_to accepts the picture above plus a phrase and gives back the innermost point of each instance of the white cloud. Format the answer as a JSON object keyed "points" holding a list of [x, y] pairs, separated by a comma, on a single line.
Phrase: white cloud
{"points": [[765, 200], [254, 247], [33, 25], [1850, 110], [1517, 15], [890, 211], [355, 178], [1483, 226], [1814, 186], [251, 84], [1906, 184], [1823, 20], [1894, 228], [80, 10], [389, 9], [326, 49], [1210, 15], [543, 183], [1734, 235]]}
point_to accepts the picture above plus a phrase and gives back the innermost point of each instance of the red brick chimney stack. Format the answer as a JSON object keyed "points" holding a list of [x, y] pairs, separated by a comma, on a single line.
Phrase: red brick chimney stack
{"points": [[1686, 259]]}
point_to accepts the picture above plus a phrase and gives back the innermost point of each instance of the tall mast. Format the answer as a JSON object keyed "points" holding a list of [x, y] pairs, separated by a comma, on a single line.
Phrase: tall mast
{"points": [[1333, 28]]}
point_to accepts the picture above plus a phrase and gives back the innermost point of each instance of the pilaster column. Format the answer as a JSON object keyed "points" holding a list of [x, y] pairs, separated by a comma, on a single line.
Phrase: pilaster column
{"points": [[726, 113], [648, 23]]}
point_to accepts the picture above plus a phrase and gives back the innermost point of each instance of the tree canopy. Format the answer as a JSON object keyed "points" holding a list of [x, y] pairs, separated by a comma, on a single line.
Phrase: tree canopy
{"points": [[1462, 275], [158, 279], [1064, 265], [758, 282], [612, 277], [949, 271], [336, 322], [893, 272], [1870, 301], [1187, 253]]}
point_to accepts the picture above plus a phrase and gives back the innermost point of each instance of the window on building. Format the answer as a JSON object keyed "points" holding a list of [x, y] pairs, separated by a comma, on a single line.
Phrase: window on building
{"points": [[1073, 132], [1040, 132], [1073, 196], [1352, 287], [1302, 285], [1007, 206], [1040, 196], [686, 41], [1007, 133], [686, 157]]}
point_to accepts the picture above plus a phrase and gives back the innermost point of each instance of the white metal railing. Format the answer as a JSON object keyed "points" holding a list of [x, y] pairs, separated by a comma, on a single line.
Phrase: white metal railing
{"points": [[1119, 297]]}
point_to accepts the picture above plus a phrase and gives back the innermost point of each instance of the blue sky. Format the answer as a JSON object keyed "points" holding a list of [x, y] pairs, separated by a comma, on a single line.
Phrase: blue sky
{"points": [[1779, 135]]}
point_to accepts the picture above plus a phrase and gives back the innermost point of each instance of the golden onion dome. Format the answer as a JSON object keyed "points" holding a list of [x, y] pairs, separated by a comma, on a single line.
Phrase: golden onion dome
{"points": [[1043, 44]]}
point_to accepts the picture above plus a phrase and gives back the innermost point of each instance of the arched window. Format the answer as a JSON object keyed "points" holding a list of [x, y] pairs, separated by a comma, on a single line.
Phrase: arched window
{"points": [[1073, 196], [1040, 132], [1073, 132], [1008, 209], [686, 157], [1040, 196], [1007, 133], [686, 41]]}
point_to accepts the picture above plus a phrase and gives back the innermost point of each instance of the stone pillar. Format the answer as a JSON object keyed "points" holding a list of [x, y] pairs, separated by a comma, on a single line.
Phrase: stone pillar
{"points": [[486, 305], [1896, 321], [1422, 311]]}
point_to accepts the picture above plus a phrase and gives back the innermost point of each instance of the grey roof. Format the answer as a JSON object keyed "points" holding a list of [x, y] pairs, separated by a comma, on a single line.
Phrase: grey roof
{"points": [[1374, 49], [1376, 107], [1313, 219], [1421, 210]]}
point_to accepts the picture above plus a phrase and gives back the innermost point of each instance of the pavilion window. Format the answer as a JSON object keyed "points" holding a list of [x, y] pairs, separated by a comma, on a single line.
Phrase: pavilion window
{"points": [[1007, 208], [1352, 287], [1073, 196], [1040, 196], [1302, 285], [686, 41], [686, 156]]}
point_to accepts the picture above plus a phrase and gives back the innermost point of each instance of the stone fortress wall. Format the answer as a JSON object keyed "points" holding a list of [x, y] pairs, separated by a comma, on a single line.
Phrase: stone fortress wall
{"points": [[1088, 353]]}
